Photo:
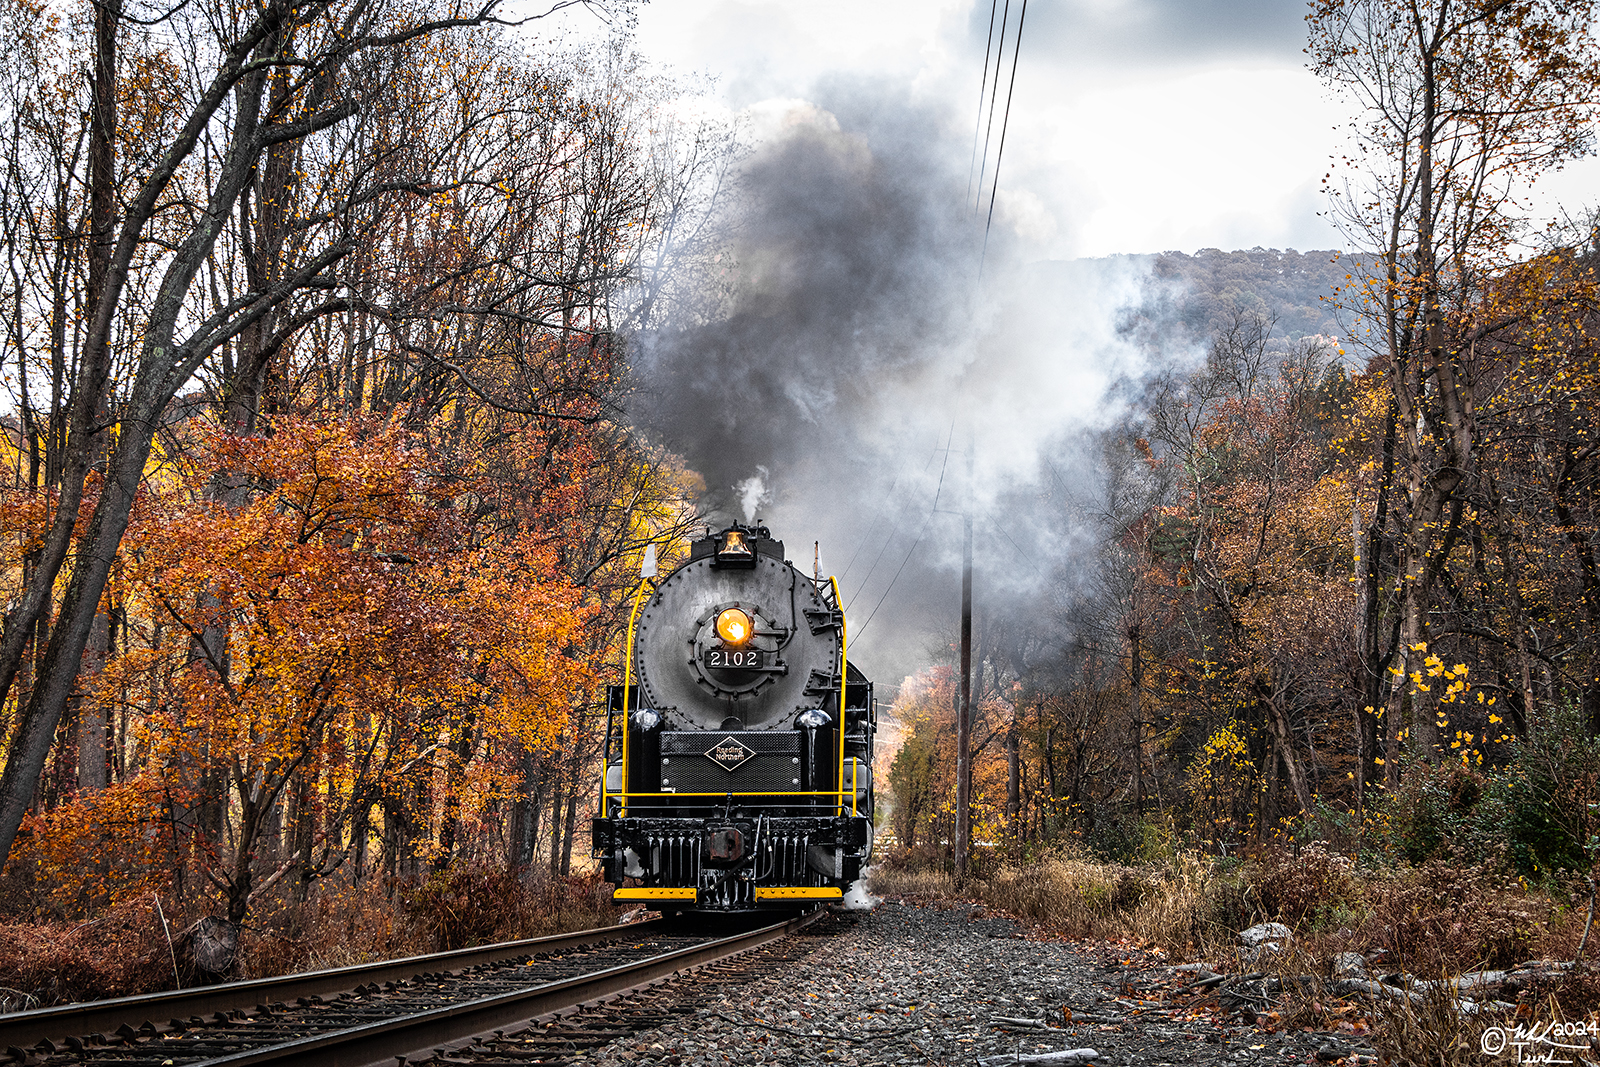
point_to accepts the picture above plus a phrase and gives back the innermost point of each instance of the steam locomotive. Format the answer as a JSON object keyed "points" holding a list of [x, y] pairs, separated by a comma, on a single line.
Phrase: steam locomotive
{"points": [[738, 756]]}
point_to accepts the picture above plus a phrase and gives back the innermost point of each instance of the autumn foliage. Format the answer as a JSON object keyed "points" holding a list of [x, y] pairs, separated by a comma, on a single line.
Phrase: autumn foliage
{"points": [[318, 499]]}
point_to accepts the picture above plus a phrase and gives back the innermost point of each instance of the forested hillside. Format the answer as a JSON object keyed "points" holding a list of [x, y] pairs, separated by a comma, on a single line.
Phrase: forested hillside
{"points": [[317, 504], [1296, 290], [1346, 575], [327, 337]]}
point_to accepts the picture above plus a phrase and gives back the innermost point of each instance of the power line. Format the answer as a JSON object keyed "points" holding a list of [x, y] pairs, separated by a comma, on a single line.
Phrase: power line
{"points": [[999, 59], [887, 541], [925, 523], [983, 87], [871, 529], [1000, 155], [1026, 558]]}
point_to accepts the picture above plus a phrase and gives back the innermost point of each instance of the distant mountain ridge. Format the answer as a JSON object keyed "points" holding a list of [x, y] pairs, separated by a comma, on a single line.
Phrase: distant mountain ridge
{"points": [[1294, 287], [1184, 298]]}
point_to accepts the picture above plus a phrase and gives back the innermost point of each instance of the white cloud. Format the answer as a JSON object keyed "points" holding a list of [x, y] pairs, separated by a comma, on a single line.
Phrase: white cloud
{"points": [[1100, 157]]}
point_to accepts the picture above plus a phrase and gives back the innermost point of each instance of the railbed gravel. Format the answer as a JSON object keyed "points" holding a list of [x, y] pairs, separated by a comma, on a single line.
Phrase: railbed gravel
{"points": [[907, 984]]}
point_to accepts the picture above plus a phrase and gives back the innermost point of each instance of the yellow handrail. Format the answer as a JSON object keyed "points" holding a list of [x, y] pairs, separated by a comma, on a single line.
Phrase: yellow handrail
{"points": [[627, 687], [844, 671]]}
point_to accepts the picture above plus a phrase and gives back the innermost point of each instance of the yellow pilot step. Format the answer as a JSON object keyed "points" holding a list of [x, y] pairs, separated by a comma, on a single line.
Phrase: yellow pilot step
{"points": [[656, 893], [798, 892]]}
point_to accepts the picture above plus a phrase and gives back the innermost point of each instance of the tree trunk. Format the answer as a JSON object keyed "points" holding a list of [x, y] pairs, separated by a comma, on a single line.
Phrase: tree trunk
{"points": [[566, 845], [93, 764], [1136, 712], [1283, 741]]}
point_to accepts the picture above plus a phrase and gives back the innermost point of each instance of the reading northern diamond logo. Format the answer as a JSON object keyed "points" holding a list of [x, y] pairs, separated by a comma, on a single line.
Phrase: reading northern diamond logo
{"points": [[729, 753]]}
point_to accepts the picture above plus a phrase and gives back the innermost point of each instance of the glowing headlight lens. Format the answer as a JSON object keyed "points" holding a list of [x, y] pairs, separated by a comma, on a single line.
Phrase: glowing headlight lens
{"points": [[734, 626]]}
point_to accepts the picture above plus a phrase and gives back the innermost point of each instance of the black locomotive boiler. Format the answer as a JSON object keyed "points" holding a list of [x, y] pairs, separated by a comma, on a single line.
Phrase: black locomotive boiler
{"points": [[738, 758]]}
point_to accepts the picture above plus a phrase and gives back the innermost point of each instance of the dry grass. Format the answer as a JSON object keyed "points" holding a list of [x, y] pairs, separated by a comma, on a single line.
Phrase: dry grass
{"points": [[1436, 920], [120, 953], [1434, 1032], [1181, 906], [918, 885], [125, 950]]}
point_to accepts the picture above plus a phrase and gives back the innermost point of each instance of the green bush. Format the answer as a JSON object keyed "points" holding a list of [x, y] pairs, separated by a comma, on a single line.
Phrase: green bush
{"points": [[1432, 809], [1537, 814], [1546, 800]]}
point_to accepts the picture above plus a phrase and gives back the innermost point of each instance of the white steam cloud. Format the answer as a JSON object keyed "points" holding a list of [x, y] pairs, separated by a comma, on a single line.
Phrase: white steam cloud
{"points": [[753, 492]]}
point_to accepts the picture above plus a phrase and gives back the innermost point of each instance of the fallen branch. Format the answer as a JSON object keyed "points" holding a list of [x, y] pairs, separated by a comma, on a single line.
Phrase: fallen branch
{"points": [[1064, 1057]]}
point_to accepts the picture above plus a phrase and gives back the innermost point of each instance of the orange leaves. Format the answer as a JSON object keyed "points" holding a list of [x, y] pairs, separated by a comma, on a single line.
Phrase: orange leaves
{"points": [[108, 846], [339, 627], [293, 564]]}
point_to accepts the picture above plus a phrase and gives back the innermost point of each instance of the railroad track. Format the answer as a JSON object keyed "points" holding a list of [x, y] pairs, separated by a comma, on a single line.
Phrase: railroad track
{"points": [[397, 1011]]}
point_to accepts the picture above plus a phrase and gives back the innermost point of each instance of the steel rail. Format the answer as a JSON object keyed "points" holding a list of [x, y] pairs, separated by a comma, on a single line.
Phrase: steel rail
{"points": [[420, 1034], [26, 1028]]}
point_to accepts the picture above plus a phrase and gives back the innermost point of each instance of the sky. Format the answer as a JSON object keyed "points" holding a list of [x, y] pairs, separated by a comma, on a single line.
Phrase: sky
{"points": [[874, 336], [1136, 125]]}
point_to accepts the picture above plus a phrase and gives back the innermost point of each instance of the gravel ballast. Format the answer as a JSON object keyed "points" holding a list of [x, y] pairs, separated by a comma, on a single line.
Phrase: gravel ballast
{"points": [[905, 984]]}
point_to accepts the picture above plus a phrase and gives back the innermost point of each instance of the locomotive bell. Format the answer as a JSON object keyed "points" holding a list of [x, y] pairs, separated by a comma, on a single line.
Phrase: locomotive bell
{"points": [[735, 547]]}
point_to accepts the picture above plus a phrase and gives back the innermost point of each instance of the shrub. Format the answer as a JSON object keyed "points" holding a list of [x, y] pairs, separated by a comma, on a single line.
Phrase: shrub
{"points": [[1443, 917], [924, 883], [1432, 809], [1310, 887], [122, 952], [469, 904], [1181, 904]]}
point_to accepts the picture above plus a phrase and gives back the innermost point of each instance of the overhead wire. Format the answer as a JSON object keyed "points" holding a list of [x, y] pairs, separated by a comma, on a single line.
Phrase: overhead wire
{"points": [[932, 510], [860, 542], [886, 542], [1000, 154], [1025, 557], [983, 88], [1005, 122], [999, 59], [882, 511]]}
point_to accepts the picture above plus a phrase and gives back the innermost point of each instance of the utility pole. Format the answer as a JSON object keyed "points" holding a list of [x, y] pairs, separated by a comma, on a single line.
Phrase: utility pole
{"points": [[964, 711]]}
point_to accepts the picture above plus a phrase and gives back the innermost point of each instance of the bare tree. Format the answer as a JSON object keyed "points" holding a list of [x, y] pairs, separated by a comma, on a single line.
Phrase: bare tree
{"points": [[261, 78], [1461, 102]]}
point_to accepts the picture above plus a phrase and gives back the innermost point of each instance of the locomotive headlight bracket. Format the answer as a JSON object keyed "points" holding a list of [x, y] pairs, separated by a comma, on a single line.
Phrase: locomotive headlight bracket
{"points": [[735, 626]]}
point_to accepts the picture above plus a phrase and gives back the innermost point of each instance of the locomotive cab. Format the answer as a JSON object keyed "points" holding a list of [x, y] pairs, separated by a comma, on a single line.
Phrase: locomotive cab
{"points": [[738, 771]]}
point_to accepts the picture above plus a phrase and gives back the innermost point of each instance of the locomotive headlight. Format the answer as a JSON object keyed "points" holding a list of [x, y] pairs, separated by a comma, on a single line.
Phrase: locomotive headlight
{"points": [[734, 626]]}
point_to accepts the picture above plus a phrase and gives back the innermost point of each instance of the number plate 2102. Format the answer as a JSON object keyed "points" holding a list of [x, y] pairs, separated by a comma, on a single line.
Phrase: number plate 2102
{"points": [[739, 659]]}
